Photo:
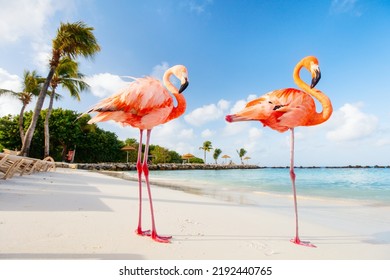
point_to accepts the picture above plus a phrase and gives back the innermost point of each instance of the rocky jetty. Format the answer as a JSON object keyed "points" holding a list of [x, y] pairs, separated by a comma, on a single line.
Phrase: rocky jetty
{"points": [[162, 166]]}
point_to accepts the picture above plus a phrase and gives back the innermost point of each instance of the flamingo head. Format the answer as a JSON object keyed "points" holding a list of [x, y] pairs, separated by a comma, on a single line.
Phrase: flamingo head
{"points": [[312, 65], [180, 71]]}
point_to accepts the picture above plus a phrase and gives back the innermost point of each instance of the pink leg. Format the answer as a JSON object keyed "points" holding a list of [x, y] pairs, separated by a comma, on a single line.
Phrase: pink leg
{"points": [[139, 230], [295, 240], [155, 236]]}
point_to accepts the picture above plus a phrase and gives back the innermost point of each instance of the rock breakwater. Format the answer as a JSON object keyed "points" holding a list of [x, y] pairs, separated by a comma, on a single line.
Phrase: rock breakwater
{"points": [[162, 166]]}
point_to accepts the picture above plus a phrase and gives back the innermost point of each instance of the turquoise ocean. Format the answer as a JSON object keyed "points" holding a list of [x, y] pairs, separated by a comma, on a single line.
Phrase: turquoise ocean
{"points": [[370, 185]]}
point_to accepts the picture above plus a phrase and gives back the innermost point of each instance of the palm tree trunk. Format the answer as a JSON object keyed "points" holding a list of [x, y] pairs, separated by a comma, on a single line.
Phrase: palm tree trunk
{"points": [[38, 107], [21, 129], [46, 125]]}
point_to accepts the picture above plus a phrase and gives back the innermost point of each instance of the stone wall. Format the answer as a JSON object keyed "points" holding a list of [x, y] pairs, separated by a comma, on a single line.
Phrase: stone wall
{"points": [[163, 166]]}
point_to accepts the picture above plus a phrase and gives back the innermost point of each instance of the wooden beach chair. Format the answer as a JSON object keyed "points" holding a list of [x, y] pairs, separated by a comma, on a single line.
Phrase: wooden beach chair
{"points": [[12, 164], [7, 165]]}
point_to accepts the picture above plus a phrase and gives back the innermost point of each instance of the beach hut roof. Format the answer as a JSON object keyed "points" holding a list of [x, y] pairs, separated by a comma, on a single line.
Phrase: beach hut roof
{"points": [[187, 156], [127, 148]]}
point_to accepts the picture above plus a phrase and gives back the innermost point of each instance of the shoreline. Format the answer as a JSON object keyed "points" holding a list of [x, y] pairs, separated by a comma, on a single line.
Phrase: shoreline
{"points": [[178, 166], [240, 195], [79, 214]]}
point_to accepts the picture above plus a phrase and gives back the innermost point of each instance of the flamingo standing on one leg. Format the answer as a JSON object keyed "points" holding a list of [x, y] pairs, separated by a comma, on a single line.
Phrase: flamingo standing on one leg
{"points": [[144, 104], [288, 108]]}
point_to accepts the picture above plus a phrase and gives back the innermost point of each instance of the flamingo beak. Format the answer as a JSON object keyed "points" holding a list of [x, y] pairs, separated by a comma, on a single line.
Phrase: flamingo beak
{"points": [[316, 77], [183, 86]]}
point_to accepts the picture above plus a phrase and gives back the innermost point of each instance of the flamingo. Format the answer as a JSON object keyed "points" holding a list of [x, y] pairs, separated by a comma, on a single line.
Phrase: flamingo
{"points": [[285, 109], [144, 104]]}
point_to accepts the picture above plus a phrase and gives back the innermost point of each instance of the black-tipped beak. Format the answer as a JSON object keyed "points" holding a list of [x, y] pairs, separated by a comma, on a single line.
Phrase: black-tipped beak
{"points": [[183, 86], [316, 78]]}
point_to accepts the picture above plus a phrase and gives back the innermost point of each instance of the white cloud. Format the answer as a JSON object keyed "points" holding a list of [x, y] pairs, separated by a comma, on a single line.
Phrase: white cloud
{"points": [[207, 133], [255, 133], [186, 133], [159, 70], [344, 6], [351, 123], [240, 104], [207, 113], [104, 84], [223, 104], [28, 18], [9, 81], [23, 18], [9, 104], [197, 6], [42, 55], [251, 140], [236, 128]]}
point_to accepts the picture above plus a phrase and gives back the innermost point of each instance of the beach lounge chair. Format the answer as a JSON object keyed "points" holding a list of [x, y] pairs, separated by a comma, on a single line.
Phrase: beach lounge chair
{"points": [[12, 164], [7, 165]]}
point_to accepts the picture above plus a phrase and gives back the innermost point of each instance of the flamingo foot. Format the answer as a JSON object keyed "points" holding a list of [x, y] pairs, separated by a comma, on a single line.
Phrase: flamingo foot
{"points": [[160, 238], [297, 241], [141, 232]]}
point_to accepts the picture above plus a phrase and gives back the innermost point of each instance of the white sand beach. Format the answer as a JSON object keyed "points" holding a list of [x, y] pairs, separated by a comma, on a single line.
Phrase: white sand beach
{"points": [[77, 214]]}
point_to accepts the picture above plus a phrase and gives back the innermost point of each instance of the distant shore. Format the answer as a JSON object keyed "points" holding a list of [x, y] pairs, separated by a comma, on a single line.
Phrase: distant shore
{"points": [[189, 166]]}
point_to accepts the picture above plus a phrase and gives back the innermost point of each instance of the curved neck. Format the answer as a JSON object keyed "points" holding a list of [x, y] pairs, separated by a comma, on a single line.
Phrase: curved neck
{"points": [[181, 106], [167, 82], [327, 109]]}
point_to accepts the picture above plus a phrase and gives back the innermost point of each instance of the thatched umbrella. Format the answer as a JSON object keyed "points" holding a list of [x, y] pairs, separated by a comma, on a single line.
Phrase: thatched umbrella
{"points": [[247, 158], [127, 149], [187, 156], [225, 156]]}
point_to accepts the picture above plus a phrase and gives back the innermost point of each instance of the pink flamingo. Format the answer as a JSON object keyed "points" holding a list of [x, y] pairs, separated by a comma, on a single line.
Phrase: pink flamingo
{"points": [[144, 104], [288, 108]]}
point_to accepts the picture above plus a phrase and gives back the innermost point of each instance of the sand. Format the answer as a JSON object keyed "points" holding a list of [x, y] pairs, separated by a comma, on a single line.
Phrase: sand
{"points": [[78, 214]]}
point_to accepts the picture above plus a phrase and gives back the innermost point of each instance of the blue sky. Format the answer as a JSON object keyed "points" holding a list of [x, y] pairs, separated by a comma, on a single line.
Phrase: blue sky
{"points": [[234, 51]]}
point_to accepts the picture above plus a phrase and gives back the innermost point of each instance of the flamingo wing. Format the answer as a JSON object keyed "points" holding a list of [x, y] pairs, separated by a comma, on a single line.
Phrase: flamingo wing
{"points": [[293, 108], [143, 104], [278, 109]]}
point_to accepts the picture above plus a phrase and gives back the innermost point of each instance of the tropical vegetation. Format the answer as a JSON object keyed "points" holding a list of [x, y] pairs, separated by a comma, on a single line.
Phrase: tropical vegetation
{"points": [[207, 147], [72, 40], [217, 153], [241, 153], [32, 84]]}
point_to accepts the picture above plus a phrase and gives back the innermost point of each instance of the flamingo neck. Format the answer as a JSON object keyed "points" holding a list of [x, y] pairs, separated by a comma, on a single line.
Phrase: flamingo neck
{"points": [[327, 109], [178, 110], [167, 82]]}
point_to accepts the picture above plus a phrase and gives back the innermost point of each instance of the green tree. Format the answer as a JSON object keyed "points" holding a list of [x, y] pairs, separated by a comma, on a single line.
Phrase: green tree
{"points": [[132, 154], [160, 155], [31, 86], [207, 147], [241, 153], [72, 40], [93, 144], [66, 75], [196, 160], [175, 157], [8, 129], [217, 153]]}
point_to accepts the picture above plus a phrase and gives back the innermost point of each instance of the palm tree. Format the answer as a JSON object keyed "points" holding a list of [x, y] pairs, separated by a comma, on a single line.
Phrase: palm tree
{"points": [[72, 40], [207, 147], [68, 77], [241, 153], [217, 153], [32, 84]]}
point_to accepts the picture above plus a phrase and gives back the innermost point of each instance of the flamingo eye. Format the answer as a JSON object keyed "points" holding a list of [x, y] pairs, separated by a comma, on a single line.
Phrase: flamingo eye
{"points": [[278, 107], [269, 102]]}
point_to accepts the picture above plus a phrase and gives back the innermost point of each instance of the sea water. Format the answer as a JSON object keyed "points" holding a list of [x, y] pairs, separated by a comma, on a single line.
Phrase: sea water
{"points": [[364, 184]]}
